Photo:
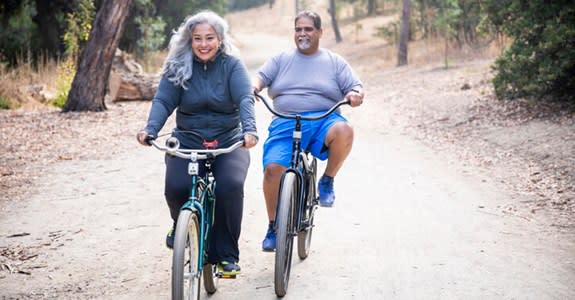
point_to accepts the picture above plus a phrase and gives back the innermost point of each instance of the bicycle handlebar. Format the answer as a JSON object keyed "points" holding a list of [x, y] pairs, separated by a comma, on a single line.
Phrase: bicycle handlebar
{"points": [[298, 116], [172, 147]]}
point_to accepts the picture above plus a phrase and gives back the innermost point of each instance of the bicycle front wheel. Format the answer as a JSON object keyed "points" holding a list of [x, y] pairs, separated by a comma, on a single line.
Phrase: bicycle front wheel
{"points": [[284, 228], [211, 278], [185, 274], [304, 235]]}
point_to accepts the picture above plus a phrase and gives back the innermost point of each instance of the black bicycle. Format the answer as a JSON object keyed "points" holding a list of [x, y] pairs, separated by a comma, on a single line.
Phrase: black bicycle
{"points": [[194, 224], [297, 200]]}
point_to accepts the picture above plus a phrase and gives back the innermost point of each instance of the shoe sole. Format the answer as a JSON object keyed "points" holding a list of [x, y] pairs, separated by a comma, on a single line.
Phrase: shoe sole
{"points": [[228, 275]]}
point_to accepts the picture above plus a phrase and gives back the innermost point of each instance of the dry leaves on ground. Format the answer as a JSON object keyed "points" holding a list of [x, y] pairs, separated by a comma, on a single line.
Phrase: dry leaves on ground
{"points": [[34, 139]]}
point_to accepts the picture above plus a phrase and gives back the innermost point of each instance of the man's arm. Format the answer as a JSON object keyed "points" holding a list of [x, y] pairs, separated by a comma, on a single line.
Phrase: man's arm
{"points": [[257, 84]]}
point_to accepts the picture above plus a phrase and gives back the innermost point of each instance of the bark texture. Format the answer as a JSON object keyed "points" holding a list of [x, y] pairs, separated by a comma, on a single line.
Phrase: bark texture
{"points": [[90, 83], [404, 33]]}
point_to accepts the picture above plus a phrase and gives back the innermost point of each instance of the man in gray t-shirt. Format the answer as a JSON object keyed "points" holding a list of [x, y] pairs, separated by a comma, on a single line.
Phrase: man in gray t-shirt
{"points": [[306, 80]]}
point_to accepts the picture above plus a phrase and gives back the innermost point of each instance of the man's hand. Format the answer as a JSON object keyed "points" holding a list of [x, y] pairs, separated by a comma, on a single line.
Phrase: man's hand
{"points": [[257, 86], [355, 98]]}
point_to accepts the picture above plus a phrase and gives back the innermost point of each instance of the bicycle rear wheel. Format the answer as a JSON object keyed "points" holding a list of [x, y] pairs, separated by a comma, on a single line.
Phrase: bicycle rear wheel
{"points": [[284, 229], [304, 235], [185, 275]]}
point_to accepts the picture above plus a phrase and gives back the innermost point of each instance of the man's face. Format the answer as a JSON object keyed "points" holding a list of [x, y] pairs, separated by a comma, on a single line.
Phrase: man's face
{"points": [[306, 36]]}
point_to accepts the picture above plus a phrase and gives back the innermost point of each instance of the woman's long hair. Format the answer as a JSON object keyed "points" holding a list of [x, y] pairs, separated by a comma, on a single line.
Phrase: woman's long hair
{"points": [[179, 62]]}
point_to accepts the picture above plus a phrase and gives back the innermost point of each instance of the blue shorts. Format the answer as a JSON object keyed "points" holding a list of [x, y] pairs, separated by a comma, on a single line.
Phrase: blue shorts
{"points": [[278, 145]]}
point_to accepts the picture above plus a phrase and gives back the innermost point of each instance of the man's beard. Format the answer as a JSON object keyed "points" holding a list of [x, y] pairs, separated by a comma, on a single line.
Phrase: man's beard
{"points": [[304, 43]]}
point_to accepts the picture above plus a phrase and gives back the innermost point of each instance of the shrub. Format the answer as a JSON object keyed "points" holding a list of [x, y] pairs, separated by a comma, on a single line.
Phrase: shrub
{"points": [[540, 63], [64, 77], [4, 103]]}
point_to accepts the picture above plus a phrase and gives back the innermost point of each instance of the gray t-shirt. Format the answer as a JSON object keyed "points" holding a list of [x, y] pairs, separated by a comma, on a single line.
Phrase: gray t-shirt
{"points": [[300, 83]]}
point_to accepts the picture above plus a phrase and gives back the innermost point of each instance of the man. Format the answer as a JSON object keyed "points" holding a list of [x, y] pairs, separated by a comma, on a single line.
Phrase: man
{"points": [[306, 80]]}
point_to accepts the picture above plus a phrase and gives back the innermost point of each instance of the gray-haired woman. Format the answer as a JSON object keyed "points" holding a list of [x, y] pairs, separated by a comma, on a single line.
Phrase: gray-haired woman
{"points": [[210, 91]]}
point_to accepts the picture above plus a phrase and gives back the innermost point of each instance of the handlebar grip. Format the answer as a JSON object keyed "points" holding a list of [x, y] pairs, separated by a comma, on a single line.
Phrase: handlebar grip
{"points": [[148, 140]]}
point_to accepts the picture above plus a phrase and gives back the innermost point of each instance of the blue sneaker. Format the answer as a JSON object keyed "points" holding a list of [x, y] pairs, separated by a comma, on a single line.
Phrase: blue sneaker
{"points": [[326, 194], [269, 242]]}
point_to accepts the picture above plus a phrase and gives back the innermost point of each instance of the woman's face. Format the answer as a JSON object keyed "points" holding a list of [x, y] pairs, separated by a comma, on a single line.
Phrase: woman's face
{"points": [[205, 42], [306, 36]]}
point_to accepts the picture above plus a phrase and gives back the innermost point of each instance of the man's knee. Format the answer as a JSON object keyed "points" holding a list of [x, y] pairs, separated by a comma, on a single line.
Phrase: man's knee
{"points": [[341, 132]]}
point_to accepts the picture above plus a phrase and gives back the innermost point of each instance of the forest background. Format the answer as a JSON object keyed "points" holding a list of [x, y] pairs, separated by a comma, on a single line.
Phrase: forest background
{"points": [[538, 38], [526, 52], [446, 98]]}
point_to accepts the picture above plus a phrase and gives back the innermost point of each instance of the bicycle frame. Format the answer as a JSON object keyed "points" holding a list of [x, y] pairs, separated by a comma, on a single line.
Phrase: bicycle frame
{"points": [[202, 204], [300, 166], [199, 213]]}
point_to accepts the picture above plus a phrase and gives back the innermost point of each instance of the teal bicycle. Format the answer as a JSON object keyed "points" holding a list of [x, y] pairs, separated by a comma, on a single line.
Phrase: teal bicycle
{"points": [[195, 220]]}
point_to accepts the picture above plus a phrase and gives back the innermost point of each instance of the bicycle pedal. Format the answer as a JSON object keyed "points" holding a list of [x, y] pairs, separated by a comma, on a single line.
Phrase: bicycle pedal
{"points": [[226, 276]]}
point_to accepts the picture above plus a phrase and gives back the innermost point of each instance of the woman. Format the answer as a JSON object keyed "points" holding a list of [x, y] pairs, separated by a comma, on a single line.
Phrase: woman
{"points": [[212, 93]]}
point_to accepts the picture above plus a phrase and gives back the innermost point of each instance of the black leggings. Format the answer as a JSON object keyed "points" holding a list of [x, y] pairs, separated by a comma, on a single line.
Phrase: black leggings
{"points": [[230, 171]]}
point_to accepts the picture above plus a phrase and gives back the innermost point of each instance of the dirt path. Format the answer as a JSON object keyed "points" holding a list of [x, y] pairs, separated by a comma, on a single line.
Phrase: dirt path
{"points": [[409, 223]]}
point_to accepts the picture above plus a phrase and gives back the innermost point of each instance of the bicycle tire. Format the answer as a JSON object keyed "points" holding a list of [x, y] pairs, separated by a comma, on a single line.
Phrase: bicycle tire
{"points": [[284, 237], [210, 278], [186, 253], [304, 235]]}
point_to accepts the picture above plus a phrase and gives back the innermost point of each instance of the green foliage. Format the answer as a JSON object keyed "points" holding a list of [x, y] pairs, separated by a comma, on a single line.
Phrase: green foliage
{"points": [[17, 30], [56, 28], [145, 30], [78, 27], [174, 12], [235, 5], [448, 12], [540, 62], [389, 32], [64, 78], [458, 19], [152, 34], [5, 103], [152, 22]]}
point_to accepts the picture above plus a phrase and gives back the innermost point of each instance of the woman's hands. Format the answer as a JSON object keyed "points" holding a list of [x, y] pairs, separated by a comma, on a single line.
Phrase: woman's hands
{"points": [[250, 141], [141, 137]]}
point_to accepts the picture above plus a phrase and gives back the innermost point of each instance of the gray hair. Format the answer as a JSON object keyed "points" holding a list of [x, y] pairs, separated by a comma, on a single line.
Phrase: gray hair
{"points": [[179, 62], [309, 14]]}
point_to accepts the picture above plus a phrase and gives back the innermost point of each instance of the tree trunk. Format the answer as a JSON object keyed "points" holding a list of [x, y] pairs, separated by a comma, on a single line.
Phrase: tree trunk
{"points": [[371, 7], [404, 33], [334, 21], [91, 80]]}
